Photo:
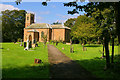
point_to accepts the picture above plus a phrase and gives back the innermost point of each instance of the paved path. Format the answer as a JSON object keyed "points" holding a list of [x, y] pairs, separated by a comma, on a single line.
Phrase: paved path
{"points": [[62, 66]]}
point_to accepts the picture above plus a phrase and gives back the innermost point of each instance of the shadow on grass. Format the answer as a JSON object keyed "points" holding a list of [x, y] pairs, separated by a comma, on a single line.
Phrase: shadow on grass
{"points": [[92, 45], [26, 72], [92, 69], [70, 69], [96, 67]]}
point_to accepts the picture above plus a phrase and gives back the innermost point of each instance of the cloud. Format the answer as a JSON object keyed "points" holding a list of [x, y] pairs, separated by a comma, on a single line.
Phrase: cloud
{"points": [[4, 7], [38, 19], [53, 6], [64, 18], [68, 16], [30, 12], [45, 12]]}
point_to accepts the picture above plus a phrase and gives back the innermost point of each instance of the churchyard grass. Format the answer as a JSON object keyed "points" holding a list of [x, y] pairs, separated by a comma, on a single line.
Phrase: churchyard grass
{"points": [[91, 59], [19, 63]]}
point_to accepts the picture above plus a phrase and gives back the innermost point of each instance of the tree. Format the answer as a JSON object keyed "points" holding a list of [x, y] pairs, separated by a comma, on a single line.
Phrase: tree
{"points": [[70, 22], [13, 23], [93, 7], [57, 23], [85, 28], [0, 29]]}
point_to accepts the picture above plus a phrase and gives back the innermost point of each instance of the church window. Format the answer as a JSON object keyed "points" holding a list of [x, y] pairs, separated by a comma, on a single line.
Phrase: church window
{"points": [[42, 34], [27, 18]]}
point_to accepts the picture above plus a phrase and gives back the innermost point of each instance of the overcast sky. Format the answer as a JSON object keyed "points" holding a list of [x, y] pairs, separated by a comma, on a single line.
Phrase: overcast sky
{"points": [[53, 12]]}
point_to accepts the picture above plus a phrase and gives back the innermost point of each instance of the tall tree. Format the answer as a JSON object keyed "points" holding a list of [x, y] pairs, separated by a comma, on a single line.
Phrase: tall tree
{"points": [[91, 8], [13, 23], [70, 22], [85, 28]]}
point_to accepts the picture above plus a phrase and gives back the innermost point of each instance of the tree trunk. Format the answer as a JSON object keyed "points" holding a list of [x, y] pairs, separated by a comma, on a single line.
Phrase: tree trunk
{"points": [[103, 51], [117, 17], [98, 40], [112, 58], [106, 41], [103, 48]]}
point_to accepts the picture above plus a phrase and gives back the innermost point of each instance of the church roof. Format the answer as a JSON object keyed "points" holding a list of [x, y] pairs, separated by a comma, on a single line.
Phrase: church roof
{"points": [[59, 26], [38, 25], [32, 31], [44, 25]]}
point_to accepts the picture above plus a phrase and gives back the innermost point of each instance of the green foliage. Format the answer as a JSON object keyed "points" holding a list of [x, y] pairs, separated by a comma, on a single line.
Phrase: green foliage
{"points": [[13, 23], [85, 28], [70, 22], [57, 23]]}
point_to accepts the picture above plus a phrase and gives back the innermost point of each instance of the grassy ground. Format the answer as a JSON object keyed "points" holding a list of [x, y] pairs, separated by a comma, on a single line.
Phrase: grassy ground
{"points": [[18, 63], [91, 60]]}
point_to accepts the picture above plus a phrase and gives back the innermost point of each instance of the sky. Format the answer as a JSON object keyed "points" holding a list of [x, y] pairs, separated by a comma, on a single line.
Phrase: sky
{"points": [[53, 12]]}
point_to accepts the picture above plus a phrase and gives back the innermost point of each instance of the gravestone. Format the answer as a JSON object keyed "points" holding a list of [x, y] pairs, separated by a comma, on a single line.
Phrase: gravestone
{"points": [[33, 41], [21, 43], [27, 45], [24, 44], [71, 50], [38, 61], [56, 43], [30, 44], [71, 47]]}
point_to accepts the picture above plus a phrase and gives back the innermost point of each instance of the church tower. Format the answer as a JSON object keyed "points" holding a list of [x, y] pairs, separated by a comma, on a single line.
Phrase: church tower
{"points": [[29, 19]]}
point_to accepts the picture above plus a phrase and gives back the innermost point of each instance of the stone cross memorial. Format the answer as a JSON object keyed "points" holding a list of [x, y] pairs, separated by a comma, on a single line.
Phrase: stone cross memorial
{"points": [[27, 45]]}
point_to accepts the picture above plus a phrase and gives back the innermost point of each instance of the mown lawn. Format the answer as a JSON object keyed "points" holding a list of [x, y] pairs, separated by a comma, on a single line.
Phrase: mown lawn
{"points": [[91, 60], [19, 63]]}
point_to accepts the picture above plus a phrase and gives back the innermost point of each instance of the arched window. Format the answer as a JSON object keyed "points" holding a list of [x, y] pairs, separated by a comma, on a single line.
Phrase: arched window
{"points": [[27, 18], [42, 34]]}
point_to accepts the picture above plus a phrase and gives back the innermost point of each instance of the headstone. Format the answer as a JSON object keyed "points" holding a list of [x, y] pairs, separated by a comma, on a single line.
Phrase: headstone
{"points": [[38, 61], [56, 43], [30, 44], [71, 50], [71, 47], [84, 49], [36, 45], [24, 44], [33, 41], [21, 43], [27, 45]]}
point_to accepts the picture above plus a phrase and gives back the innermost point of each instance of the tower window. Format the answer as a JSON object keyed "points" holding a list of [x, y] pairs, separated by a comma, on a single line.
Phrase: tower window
{"points": [[27, 18], [32, 18]]}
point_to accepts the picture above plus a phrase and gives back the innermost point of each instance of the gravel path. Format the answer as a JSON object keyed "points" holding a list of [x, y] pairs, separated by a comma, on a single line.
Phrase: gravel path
{"points": [[62, 66]]}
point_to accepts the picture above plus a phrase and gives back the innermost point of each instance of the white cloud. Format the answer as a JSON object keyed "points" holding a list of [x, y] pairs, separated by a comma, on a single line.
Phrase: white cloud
{"points": [[38, 19], [45, 12], [30, 12], [64, 18], [53, 6], [68, 16], [4, 7]]}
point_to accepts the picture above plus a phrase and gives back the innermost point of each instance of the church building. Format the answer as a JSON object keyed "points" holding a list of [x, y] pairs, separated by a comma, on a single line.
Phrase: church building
{"points": [[36, 31]]}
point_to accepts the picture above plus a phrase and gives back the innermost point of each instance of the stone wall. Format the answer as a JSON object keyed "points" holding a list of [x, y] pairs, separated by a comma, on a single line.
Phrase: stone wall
{"points": [[58, 34], [46, 32], [67, 35]]}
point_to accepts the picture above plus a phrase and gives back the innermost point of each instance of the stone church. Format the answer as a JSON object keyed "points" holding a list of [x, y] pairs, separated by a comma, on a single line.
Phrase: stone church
{"points": [[35, 31]]}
